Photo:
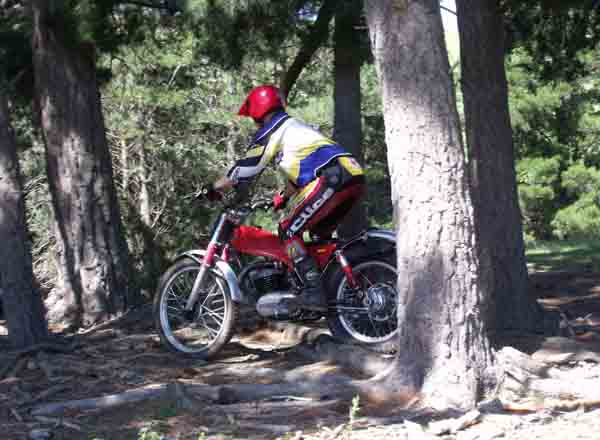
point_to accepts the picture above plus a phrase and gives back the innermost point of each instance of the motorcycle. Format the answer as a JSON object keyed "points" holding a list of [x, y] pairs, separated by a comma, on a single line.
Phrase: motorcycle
{"points": [[198, 299]]}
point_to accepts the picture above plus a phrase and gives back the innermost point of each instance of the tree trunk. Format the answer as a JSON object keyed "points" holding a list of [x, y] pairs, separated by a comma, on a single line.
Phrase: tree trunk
{"points": [[498, 221], [145, 203], [20, 299], [93, 256], [443, 349], [125, 171], [348, 124]]}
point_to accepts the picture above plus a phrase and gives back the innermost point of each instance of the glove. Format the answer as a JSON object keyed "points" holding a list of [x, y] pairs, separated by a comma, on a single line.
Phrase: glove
{"points": [[279, 201], [210, 193]]}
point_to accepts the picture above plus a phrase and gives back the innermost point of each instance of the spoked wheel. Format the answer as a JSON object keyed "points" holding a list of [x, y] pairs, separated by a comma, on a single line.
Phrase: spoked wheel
{"points": [[368, 314], [204, 330]]}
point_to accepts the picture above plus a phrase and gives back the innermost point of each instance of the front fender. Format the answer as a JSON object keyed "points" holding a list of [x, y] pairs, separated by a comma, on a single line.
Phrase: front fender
{"points": [[224, 270]]}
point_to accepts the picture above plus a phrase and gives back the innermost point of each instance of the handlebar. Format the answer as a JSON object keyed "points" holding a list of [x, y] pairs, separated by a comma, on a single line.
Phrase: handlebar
{"points": [[261, 204], [236, 200]]}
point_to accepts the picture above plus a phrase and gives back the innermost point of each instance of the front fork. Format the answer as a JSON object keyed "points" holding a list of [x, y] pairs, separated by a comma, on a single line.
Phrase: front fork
{"points": [[207, 262]]}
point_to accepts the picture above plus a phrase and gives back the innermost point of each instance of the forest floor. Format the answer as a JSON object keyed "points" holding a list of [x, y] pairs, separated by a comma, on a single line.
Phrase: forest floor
{"points": [[127, 359]]}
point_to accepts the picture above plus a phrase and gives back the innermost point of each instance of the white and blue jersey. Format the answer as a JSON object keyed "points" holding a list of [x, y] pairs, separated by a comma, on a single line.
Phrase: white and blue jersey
{"points": [[298, 149]]}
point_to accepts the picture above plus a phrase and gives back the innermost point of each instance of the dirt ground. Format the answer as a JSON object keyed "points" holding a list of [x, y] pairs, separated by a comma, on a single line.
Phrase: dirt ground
{"points": [[119, 358]]}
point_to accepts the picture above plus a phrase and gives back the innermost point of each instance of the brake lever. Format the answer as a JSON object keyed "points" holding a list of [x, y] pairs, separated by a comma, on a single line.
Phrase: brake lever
{"points": [[265, 204]]}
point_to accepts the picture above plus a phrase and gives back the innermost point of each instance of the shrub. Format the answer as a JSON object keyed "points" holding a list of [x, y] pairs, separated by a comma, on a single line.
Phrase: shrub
{"points": [[578, 220], [581, 217], [538, 186]]}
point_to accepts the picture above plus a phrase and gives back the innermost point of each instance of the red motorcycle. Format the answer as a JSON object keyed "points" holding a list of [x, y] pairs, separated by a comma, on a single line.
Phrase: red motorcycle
{"points": [[199, 297]]}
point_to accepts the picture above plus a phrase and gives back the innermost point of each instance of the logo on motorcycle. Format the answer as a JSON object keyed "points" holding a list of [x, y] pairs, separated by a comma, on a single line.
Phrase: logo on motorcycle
{"points": [[308, 212]]}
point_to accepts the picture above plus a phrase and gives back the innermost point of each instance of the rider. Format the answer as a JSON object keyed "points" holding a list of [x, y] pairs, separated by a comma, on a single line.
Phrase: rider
{"points": [[324, 181]]}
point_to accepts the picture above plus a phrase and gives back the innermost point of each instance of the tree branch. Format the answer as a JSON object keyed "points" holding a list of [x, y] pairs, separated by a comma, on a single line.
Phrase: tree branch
{"points": [[168, 5], [143, 4], [448, 10], [318, 34]]}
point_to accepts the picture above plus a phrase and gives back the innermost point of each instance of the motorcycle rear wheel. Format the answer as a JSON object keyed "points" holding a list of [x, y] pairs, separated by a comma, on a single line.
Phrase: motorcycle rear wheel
{"points": [[202, 332], [367, 316]]}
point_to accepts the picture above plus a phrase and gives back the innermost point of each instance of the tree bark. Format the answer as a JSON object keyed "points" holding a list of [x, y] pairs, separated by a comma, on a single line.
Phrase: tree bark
{"points": [[443, 349], [20, 298], [498, 221], [92, 255], [347, 97]]}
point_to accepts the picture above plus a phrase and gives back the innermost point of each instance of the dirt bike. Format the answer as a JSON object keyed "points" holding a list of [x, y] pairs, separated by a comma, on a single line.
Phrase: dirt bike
{"points": [[199, 297]]}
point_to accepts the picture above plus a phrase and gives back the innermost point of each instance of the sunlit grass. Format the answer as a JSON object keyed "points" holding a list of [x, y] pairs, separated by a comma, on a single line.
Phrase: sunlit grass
{"points": [[565, 255]]}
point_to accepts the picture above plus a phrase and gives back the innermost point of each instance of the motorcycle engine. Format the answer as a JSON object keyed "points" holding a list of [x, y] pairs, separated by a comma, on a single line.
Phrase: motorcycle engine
{"points": [[268, 278], [270, 285]]}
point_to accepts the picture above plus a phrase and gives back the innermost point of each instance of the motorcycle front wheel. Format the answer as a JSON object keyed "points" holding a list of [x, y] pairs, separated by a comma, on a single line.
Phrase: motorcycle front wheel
{"points": [[367, 314], [203, 331]]}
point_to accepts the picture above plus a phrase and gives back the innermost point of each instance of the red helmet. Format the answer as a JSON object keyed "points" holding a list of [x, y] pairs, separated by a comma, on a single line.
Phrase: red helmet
{"points": [[261, 101]]}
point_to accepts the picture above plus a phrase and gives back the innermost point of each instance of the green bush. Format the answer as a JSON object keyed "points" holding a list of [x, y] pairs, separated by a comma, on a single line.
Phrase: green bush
{"points": [[578, 220], [580, 180], [581, 217], [538, 187]]}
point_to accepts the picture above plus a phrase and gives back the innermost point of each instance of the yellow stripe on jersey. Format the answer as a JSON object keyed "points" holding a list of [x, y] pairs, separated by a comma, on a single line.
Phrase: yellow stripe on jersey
{"points": [[294, 168], [351, 165], [272, 151], [254, 152], [315, 146], [298, 197]]}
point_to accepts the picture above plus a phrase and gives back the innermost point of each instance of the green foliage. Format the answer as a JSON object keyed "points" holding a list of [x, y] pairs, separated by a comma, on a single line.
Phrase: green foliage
{"points": [[554, 33], [354, 409], [580, 219], [557, 132], [538, 180], [171, 124], [15, 49], [580, 180], [147, 433], [561, 254], [554, 118], [225, 28]]}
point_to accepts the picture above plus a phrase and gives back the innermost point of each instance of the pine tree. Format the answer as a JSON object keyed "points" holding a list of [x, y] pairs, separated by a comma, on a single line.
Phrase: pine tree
{"points": [[348, 61], [443, 349], [92, 253], [19, 297], [498, 219]]}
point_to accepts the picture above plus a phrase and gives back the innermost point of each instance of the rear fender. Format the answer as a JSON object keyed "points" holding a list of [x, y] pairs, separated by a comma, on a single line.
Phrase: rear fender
{"points": [[370, 243], [221, 269]]}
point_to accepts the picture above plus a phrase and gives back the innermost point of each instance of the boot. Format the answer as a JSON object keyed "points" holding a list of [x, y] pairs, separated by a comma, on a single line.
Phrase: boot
{"points": [[312, 295]]}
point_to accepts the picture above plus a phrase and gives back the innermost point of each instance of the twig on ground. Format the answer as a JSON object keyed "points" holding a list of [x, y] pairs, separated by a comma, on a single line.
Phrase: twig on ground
{"points": [[152, 355], [336, 386], [554, 405], [44, 346], [19, 365], [112, 400], [182, 398], [16, 414], [128, 318], [45, 394], [275, 429], [58, 422]]}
